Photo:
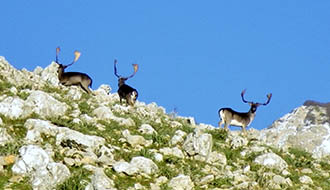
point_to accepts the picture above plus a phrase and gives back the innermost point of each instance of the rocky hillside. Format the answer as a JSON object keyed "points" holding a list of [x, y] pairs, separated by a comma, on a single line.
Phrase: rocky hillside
{"points": [[306, 127], [56, 137]]}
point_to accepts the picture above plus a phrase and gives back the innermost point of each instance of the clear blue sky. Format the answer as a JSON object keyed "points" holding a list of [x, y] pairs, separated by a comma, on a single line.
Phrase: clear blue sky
{"points": [[194, 56]]}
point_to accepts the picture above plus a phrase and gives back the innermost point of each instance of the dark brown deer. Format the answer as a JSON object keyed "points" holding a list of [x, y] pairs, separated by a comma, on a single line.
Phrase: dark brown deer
{"points": [[241, 119], [124, 91], [73, 78]]}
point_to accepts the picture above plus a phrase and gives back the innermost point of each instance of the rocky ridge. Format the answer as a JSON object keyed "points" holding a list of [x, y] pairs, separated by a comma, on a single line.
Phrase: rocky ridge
{"points": [[56, 137]]}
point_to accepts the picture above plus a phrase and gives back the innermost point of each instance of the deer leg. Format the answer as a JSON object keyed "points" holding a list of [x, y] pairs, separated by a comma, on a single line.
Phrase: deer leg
{"points": [[220, 123], [86, 89], [244, 129], [226, 126]]}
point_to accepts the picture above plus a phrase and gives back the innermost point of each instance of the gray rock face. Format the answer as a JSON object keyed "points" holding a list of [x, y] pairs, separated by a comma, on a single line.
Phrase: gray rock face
{"points": [[198, 143], [271, 160], [99, 181], [172, 151], [45, 173], [13, 108], [38, 102], [306, 127], [49, 74], [181, 182], [105, 113], [138, 165], [37, 127], [136, 140], [178, 137], [147, 129], [45, 105]]}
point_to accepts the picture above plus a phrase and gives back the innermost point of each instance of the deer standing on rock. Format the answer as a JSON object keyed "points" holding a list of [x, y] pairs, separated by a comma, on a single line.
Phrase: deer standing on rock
{"points": [[241, 119], [124, 91], [73, 78]]}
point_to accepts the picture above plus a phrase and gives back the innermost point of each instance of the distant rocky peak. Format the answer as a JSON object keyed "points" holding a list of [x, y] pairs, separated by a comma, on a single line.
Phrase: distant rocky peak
{"points": [[306, 127], [319, 107]]}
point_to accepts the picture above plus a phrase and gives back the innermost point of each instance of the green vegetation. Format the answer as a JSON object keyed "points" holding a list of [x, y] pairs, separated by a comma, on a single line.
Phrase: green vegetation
{"points": [[79, 179], [300, 158], [8, 180], [221, 182], [123, 181], [5, 86], [11, 148], [85, 108], [23, 95]]}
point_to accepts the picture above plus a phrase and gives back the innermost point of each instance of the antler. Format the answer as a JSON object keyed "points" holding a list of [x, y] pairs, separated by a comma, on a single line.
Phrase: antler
{"points": [[242, 94], [57, 52], [76, 57], [115, 68], [269, 96], [135, 66]]}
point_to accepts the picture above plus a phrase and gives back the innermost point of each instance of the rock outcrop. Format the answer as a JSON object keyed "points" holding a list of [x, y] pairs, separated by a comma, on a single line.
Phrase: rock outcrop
{"points": [[306, 127]]}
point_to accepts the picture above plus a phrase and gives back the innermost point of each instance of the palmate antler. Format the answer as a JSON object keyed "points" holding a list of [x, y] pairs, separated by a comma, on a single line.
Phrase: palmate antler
{"points": [[269, 96], [135, 66], [76, 57]]}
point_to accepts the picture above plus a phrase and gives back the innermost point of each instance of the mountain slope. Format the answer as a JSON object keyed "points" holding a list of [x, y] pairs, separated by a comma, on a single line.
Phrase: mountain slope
{"points": [[56, 137], [306, 127]]}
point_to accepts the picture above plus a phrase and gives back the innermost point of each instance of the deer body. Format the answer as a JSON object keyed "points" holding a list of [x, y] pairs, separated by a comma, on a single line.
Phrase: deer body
{"points": [[73, 78], [240, 119], [125, 91], [229, 116], [128, 93]]}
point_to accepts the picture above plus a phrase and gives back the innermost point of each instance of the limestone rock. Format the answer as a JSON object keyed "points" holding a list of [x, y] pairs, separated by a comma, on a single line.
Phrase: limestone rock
{"points": [[198, 144], [181, 182], [99, 181], [105, 113], [217, 158], [37, 127], [178, 137], [147, 129], [172, 151], [136, 140], [144, 165], [271, 160], [45, 105], [237, 141], [298, 129], [45, 173], [306, 179], [49, 74], [14, 108], [138, 165]]}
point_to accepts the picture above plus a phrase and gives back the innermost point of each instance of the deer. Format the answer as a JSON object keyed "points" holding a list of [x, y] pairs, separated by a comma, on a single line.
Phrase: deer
{"points": [[73, 78], [241, 119], [125, 91]]}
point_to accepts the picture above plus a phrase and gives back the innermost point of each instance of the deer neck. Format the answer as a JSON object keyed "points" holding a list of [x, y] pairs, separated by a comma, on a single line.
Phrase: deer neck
{"points": [[252, 112], [121, 82], [60, 72]]}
